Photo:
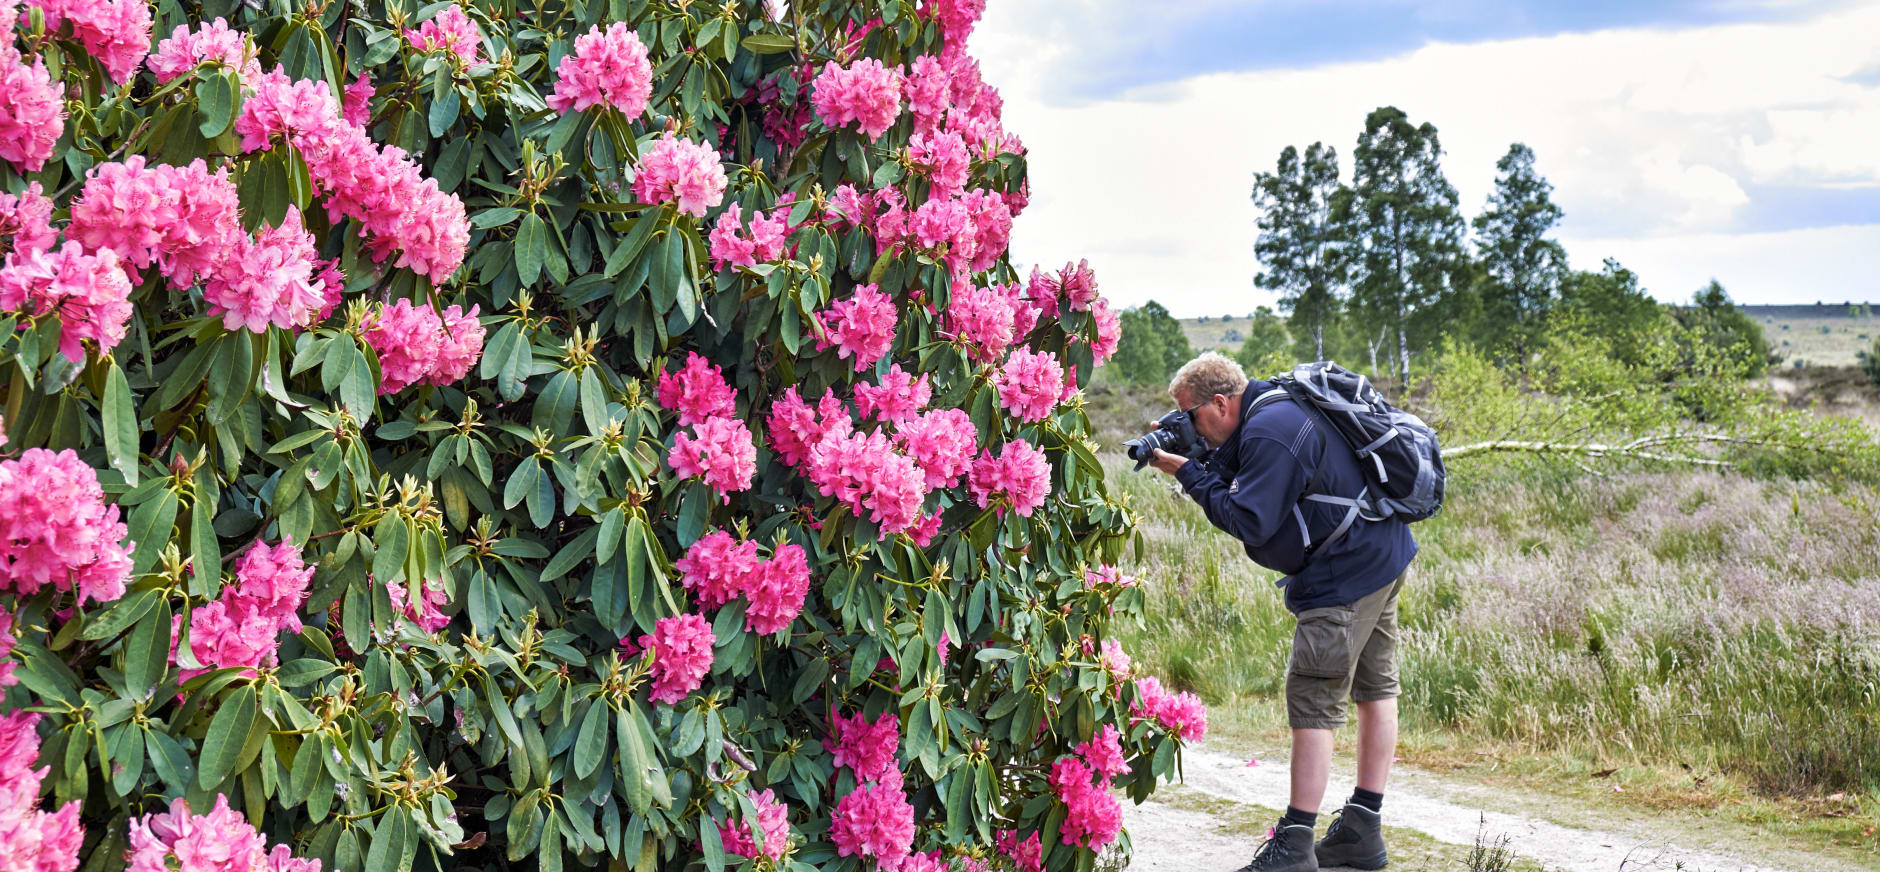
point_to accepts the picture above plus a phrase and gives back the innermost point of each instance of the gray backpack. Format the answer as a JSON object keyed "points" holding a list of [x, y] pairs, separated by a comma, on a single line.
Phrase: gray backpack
{"points": [[1403, 467]]}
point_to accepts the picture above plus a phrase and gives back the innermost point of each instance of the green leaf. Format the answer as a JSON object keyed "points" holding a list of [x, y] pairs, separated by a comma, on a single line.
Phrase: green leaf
{"points": [[120, 424], [593, 401], [693, 511], [769, 43], [531, 247], [205, 549], [150, 528], [228, 732], [217, 95], [390, 850], [393, 541], [590, 747], [147, 651], [306, 670], [445, 103], [633, 760], [713, 846]]}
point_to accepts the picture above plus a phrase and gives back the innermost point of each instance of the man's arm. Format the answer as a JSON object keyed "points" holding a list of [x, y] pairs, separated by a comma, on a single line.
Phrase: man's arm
{"points": [[1269, 481]]}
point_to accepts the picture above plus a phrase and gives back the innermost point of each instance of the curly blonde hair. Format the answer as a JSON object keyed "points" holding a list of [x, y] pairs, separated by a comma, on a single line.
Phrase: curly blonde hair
{"points": [[1209, 374]]}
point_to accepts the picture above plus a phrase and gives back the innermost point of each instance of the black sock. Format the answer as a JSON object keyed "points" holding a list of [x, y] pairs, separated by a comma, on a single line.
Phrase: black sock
{"points": [[1301, 818], [1368, 799]]}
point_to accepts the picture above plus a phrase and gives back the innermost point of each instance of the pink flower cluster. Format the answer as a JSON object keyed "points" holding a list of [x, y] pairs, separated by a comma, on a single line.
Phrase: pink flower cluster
{"points": [[184, 51], [682, 654], [676, 170], [32, 106], [356, 105], [1117, 661], [796, 427], [1109, 331], [772, 820], [608, 68], [1179, 713], [992, 227], [722, 454], [34, 840], [988, 319], [1107, 574], [241, 627], [415, 344], [864, 92], [865, 473], [1030, 384], [942, 443], [1027, 855], [876, 821], [868, 749], [185, 219], [422, 605], [116, 32], [861, 327], [26, 221], [88, 292], [697, 391], [718, 569], [947, 92], [272, 280], [956, 17], [449, 31], [730, 245], [222, 841], [898, 397], [56, 529], [7, 643], [396, 208], [1019, 476], [1103, 752], [943, 158], [1075, 284], [1092, 816]]}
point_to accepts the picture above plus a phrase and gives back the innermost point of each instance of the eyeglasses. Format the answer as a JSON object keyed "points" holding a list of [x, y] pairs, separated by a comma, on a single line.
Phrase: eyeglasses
{"points": [[1191, 412]]}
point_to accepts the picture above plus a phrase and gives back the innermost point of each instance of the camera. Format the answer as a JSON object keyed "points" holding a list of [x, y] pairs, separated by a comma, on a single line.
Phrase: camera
{"points": [[1173, 433]]}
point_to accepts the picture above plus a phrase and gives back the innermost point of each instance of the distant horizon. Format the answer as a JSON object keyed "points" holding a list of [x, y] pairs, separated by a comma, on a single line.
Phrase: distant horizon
{"points": [[1825, 304]]}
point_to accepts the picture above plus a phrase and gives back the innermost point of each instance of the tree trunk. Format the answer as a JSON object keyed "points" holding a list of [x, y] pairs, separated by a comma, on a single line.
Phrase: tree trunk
{"points": [[1318, 340], [1403, 353]]}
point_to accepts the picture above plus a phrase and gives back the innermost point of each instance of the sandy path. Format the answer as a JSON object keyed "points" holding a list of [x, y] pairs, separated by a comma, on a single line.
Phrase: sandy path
{"points": [[1168, 838]]}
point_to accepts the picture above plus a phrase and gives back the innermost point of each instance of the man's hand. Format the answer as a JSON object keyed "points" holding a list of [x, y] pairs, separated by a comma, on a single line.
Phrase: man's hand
{"points": [[1167, 462]]}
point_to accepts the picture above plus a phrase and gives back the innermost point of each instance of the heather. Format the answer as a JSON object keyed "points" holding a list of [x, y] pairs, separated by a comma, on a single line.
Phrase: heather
{"points": [[603, 435]]}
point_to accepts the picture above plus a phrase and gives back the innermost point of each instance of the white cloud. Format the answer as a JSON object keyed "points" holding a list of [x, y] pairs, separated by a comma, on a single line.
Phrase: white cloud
{"points": [[1652, 138]]}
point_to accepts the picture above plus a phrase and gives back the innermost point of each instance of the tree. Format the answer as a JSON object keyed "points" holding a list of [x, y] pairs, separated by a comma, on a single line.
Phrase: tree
{"points": [[412, 484], [1870, 361], [1607, 303], [1266, 336], [1715, 320], [1153, 344], [1301, 243], [1524, 267], [1404, 224]]}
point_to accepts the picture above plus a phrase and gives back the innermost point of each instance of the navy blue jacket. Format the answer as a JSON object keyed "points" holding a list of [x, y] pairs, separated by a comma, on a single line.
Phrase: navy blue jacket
{"points": [[1248, 488]]}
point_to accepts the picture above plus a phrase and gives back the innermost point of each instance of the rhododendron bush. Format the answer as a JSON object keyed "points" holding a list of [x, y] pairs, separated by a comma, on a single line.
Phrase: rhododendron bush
{"points": [[595, 434]]}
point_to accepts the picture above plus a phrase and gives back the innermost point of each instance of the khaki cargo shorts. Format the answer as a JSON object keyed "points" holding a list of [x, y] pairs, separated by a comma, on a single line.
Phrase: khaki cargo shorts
{"points": [[1339, 652]]}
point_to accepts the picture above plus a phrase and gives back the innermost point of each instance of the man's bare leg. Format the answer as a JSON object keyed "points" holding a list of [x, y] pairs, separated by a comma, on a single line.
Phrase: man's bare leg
{"points": [[1377, 745], [1311, 768]]}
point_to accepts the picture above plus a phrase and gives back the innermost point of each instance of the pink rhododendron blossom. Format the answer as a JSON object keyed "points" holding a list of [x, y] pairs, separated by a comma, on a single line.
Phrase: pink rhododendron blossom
{"points": [[449, 31], [722, 454], [32, 106], [269, 281], [1043, 290], [116, 32], [864, 92], [55, 528], [942, 443], [1078, 285], [773, 822], [1116, 660], [861, 327], [867, 748], [942, 223], [1027, 855], [88, 292], [775, 590], [715, 568], [929, 91], [608, 68], [680, 171], [1030, 384], [1103, 752], [356, 105], [795, 427], [983, 319], [220, 841], [956, 17], [992, 227], [851, 207], [1020, 475], [1092, 816], [682, 654], [865, 473], [415, 345], [873, 821], [924, 529], [943, 158], [1017, 200], [26, 221], [898, 397], [889, 220], [184, 219], [1109, 332], [32, 839], [7, 642], [730, 245], [1182, 714], [421, 604], [214, 42], [242, 627], [1107, 574], [697, 391]]}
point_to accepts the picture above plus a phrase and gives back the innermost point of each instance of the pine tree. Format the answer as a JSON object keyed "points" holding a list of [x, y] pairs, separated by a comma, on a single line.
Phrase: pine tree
{"points": [[1524, 267], [1404, 224], [1301, 244]]}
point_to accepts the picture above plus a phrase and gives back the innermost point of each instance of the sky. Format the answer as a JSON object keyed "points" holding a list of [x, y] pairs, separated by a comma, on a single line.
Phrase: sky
{"points": [[1691, 139]]}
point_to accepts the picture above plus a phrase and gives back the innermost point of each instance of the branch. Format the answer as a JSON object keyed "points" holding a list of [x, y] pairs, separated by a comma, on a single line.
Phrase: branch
{"points": [[1585, 449]]}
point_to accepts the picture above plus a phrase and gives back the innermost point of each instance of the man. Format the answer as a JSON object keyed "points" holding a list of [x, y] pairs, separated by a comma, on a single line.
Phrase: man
{"points": [[1342, 590]]}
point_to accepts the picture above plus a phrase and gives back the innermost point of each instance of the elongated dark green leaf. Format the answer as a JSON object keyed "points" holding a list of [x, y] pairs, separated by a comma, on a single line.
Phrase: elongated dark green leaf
{"points": [[147, 650], [119, 616], [216, 98], [392, 538], [531, 246], [590, 746], [120, 424], [228, 731], [769, 43], [633, 761], [390, 851]]}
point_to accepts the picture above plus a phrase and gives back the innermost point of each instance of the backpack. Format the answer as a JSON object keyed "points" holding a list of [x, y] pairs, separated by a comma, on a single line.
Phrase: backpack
{"points": [[1404, 472]]}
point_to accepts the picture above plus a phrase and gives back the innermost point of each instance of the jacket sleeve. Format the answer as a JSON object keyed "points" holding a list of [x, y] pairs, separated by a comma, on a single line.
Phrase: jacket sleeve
{"points": [[1270, 481]]}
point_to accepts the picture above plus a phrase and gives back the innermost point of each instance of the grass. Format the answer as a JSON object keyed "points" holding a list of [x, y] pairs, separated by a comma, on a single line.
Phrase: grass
{"points": [[1708, 644]]}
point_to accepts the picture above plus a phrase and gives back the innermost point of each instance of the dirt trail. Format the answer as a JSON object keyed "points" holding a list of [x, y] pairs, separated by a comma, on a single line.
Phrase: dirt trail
{"points": [[1167, 837]]}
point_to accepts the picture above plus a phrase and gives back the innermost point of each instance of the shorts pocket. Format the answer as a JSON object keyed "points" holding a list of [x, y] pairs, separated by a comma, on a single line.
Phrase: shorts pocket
{"points": [[1322, 643]]}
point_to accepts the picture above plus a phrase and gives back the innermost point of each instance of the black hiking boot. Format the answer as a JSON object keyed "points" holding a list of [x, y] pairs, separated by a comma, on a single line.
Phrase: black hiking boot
{"points": [[1355, 840], [1289, 850]]}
